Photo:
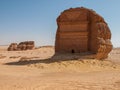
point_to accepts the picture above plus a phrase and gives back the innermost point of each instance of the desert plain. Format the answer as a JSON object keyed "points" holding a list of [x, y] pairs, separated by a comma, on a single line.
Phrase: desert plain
{"points": [[39, 69]]}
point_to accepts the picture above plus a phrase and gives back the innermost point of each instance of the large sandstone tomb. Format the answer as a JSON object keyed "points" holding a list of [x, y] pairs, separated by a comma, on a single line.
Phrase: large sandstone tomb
{"points": [[82, 30], [26, 45]]}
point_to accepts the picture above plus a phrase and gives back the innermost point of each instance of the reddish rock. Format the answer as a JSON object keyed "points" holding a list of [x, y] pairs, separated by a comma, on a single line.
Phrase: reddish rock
{"points": [[82, 30], [27, 45], [12, 47]]}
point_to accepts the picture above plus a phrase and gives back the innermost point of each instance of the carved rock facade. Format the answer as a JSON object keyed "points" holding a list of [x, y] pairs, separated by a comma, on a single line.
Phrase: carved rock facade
{"points": [[27, 45], [82, 30]]}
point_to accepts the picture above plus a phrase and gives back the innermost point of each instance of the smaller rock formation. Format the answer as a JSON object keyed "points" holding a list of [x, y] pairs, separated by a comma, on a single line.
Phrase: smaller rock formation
{"points": [[12, 47], [27, 45]]}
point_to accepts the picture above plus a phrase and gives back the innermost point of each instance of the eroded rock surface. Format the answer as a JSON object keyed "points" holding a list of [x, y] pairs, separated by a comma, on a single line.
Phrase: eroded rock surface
{"points": [[82, 30], [12, 47], [27, 45]]}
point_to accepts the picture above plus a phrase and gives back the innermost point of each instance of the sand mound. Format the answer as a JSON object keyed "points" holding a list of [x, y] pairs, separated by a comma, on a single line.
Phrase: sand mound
{"points": [[77, 65]]}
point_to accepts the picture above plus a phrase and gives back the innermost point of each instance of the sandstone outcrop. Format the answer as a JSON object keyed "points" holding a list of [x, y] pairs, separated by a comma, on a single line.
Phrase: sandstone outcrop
{"points": [[12, 47], [27, 45], [82, 30]]}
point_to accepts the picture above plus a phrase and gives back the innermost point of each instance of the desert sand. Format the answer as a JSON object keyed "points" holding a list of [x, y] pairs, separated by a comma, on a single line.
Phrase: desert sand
{"points": [[38, 69]]}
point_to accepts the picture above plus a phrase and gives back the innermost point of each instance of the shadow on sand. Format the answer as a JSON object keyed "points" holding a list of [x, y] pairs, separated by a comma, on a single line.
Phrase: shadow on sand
{"points": [[55, 58]]}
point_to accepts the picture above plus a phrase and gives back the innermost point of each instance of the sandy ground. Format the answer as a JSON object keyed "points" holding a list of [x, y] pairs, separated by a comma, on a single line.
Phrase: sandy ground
{"points": [[36, 70]]}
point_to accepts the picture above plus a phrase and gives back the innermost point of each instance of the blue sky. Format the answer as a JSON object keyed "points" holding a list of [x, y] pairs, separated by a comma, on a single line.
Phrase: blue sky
{"points": [[22, 20]]}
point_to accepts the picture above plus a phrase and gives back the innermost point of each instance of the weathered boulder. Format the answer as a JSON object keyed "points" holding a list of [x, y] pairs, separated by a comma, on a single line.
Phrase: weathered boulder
{"points": [[82, 30], [12, 47], [27, 45]]}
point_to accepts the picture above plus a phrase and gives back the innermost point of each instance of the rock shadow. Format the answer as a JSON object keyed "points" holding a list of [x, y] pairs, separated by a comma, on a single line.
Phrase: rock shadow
{"points": [[54, 58]]}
